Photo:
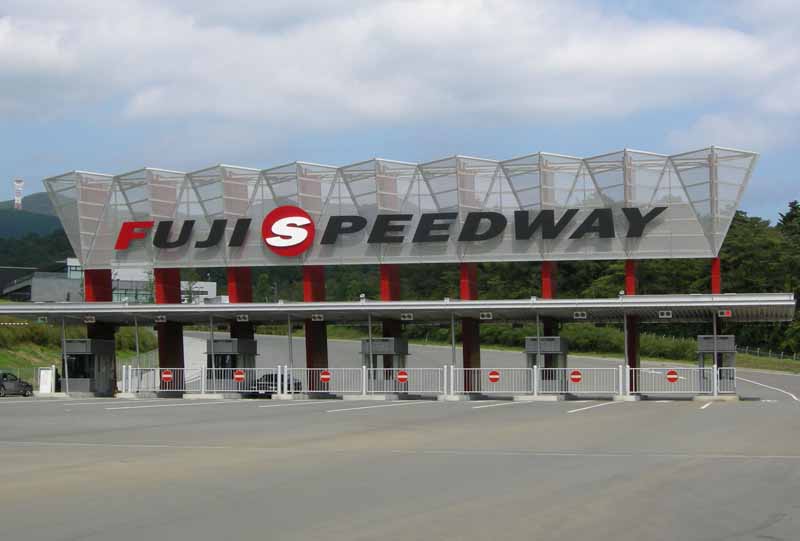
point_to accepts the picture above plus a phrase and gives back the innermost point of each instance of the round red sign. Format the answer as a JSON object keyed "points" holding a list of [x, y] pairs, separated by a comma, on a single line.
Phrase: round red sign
{"points": [[238, 375], [672, 376], [494, 376], [402, 376], [166, 375], [575, 376], [288, 231], [324, 376]]}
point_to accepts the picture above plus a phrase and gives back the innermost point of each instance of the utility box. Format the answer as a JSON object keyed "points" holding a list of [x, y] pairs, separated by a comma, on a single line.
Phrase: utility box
{"points": [[553, 351], [725, 348], [231, 353], [91, 367], [393, 350]]}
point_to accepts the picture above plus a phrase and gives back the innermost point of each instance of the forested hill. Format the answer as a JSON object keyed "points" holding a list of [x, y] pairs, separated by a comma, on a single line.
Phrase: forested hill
{"points": [[756, 257]]}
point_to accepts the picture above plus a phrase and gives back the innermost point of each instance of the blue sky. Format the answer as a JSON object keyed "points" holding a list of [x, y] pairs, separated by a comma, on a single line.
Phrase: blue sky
{"points": [[112, 86]]}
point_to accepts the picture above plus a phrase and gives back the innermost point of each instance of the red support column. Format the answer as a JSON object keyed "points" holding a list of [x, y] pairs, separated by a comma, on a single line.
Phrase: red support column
{"points": [[549, 272], [240, 289], [470, 327], [549, 279], [167, 289], [390, 291], [632, 324], [316, 332], [97, 288], [630, 276], [716, 276]]}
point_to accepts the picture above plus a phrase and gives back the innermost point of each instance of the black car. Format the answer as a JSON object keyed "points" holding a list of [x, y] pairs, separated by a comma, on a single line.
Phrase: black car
{"points": [[268, 383], [11, 384]]}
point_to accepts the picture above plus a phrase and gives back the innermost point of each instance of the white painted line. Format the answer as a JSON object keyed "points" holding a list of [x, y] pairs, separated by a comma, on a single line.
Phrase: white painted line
{"points": [[662, 401], [409, 403], [595, 406], [583, 454], [770, 387], [304, 403], [507, 403], [705, 405], [192, 403]]}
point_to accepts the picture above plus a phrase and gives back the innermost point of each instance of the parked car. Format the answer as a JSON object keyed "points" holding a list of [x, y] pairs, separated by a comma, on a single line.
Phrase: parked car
{"points": [[11, 384], [268, 383]]}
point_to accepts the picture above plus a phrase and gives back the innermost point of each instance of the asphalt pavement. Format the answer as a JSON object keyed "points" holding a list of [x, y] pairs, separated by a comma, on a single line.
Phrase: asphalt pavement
{"points": [[99, 469]]}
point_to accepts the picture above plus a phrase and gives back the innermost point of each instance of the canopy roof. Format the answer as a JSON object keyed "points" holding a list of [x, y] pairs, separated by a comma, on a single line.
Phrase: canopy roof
{"points": [[749, 307], [701, 190]]}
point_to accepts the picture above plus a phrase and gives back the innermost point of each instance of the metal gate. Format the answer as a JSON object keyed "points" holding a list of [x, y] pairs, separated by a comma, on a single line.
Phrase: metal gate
{"points": [[406, 380], [579, 381]]}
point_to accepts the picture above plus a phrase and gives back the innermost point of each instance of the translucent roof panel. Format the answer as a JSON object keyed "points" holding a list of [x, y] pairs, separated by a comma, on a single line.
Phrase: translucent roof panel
{"points": [[687, 200]]}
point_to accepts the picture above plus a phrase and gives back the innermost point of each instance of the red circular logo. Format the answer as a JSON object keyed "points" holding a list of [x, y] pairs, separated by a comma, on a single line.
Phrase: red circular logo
{"points": [[494, 376], [672, 376], [238, 376], [166, 375], [402, 376], [575, 376], [288, 231], [324, 376]]}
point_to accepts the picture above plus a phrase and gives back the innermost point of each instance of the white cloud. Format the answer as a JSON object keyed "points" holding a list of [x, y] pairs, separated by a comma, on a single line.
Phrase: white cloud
{"points": [[332, 63], [735, 130]]}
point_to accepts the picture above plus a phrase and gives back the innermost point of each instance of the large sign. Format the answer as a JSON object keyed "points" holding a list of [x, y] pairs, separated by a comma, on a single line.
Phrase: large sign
{"points": [[623, 205], [289, 231]]}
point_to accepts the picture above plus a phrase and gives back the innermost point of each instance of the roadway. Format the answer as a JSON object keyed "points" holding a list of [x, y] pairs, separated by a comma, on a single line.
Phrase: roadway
{"points": [[98, 469]]}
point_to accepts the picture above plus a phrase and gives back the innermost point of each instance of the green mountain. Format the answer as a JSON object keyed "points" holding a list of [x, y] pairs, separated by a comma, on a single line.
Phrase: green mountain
{"points": [[15, 224], [38, 203]]}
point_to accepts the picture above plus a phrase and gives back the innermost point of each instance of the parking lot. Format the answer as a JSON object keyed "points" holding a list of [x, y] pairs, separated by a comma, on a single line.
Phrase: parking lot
{"points": [[179, 469]]}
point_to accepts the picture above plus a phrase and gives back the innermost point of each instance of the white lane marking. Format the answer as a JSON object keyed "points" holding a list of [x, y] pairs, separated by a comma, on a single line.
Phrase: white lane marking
{"points": [[109, 445], [704, 406], [303, 403], [583, 454], [595, 406], [193, 403], [410, 403], [770, 387], [769, 401], [662, 401], [507, 403]]}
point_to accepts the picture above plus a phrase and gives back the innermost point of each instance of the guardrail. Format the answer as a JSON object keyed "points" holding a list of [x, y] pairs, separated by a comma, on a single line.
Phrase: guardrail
{"points": [[577, 381], [447, 380], [407, 380]]}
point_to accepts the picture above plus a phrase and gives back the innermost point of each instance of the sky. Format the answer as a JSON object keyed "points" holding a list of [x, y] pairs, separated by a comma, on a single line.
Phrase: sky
{"points": [[112, 86]]}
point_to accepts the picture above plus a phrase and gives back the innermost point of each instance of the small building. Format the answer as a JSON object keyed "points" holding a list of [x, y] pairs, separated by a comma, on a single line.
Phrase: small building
{"points": [[64, 282]]}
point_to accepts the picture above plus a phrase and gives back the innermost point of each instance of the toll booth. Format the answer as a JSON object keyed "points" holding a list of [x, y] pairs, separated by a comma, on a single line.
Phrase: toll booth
{"points": [[393, 351], [553, 350], [231, 353], [725, 348], [90, 366]]}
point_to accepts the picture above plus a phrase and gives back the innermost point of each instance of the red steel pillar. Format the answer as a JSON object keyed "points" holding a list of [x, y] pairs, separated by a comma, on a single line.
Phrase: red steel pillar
{"points": [[549, 290], [716, 276], [632, 323], [240, 289], [470, 327], [390, 291], [167, 288], [316, 332], [97, 288]]}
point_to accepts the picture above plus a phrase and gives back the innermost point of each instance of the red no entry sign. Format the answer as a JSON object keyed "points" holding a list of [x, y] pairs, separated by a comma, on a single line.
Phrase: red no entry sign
{"points": [[166, 376], [324, 376], [575, 376], [402, 376], [672, 376], [494, 376], [238, 375]]}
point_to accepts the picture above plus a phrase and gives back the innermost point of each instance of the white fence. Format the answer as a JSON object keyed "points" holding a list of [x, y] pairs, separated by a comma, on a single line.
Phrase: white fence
{"points": [[407, 380], [594, 381], [675, 380], [447, 380], [492, 380]]}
